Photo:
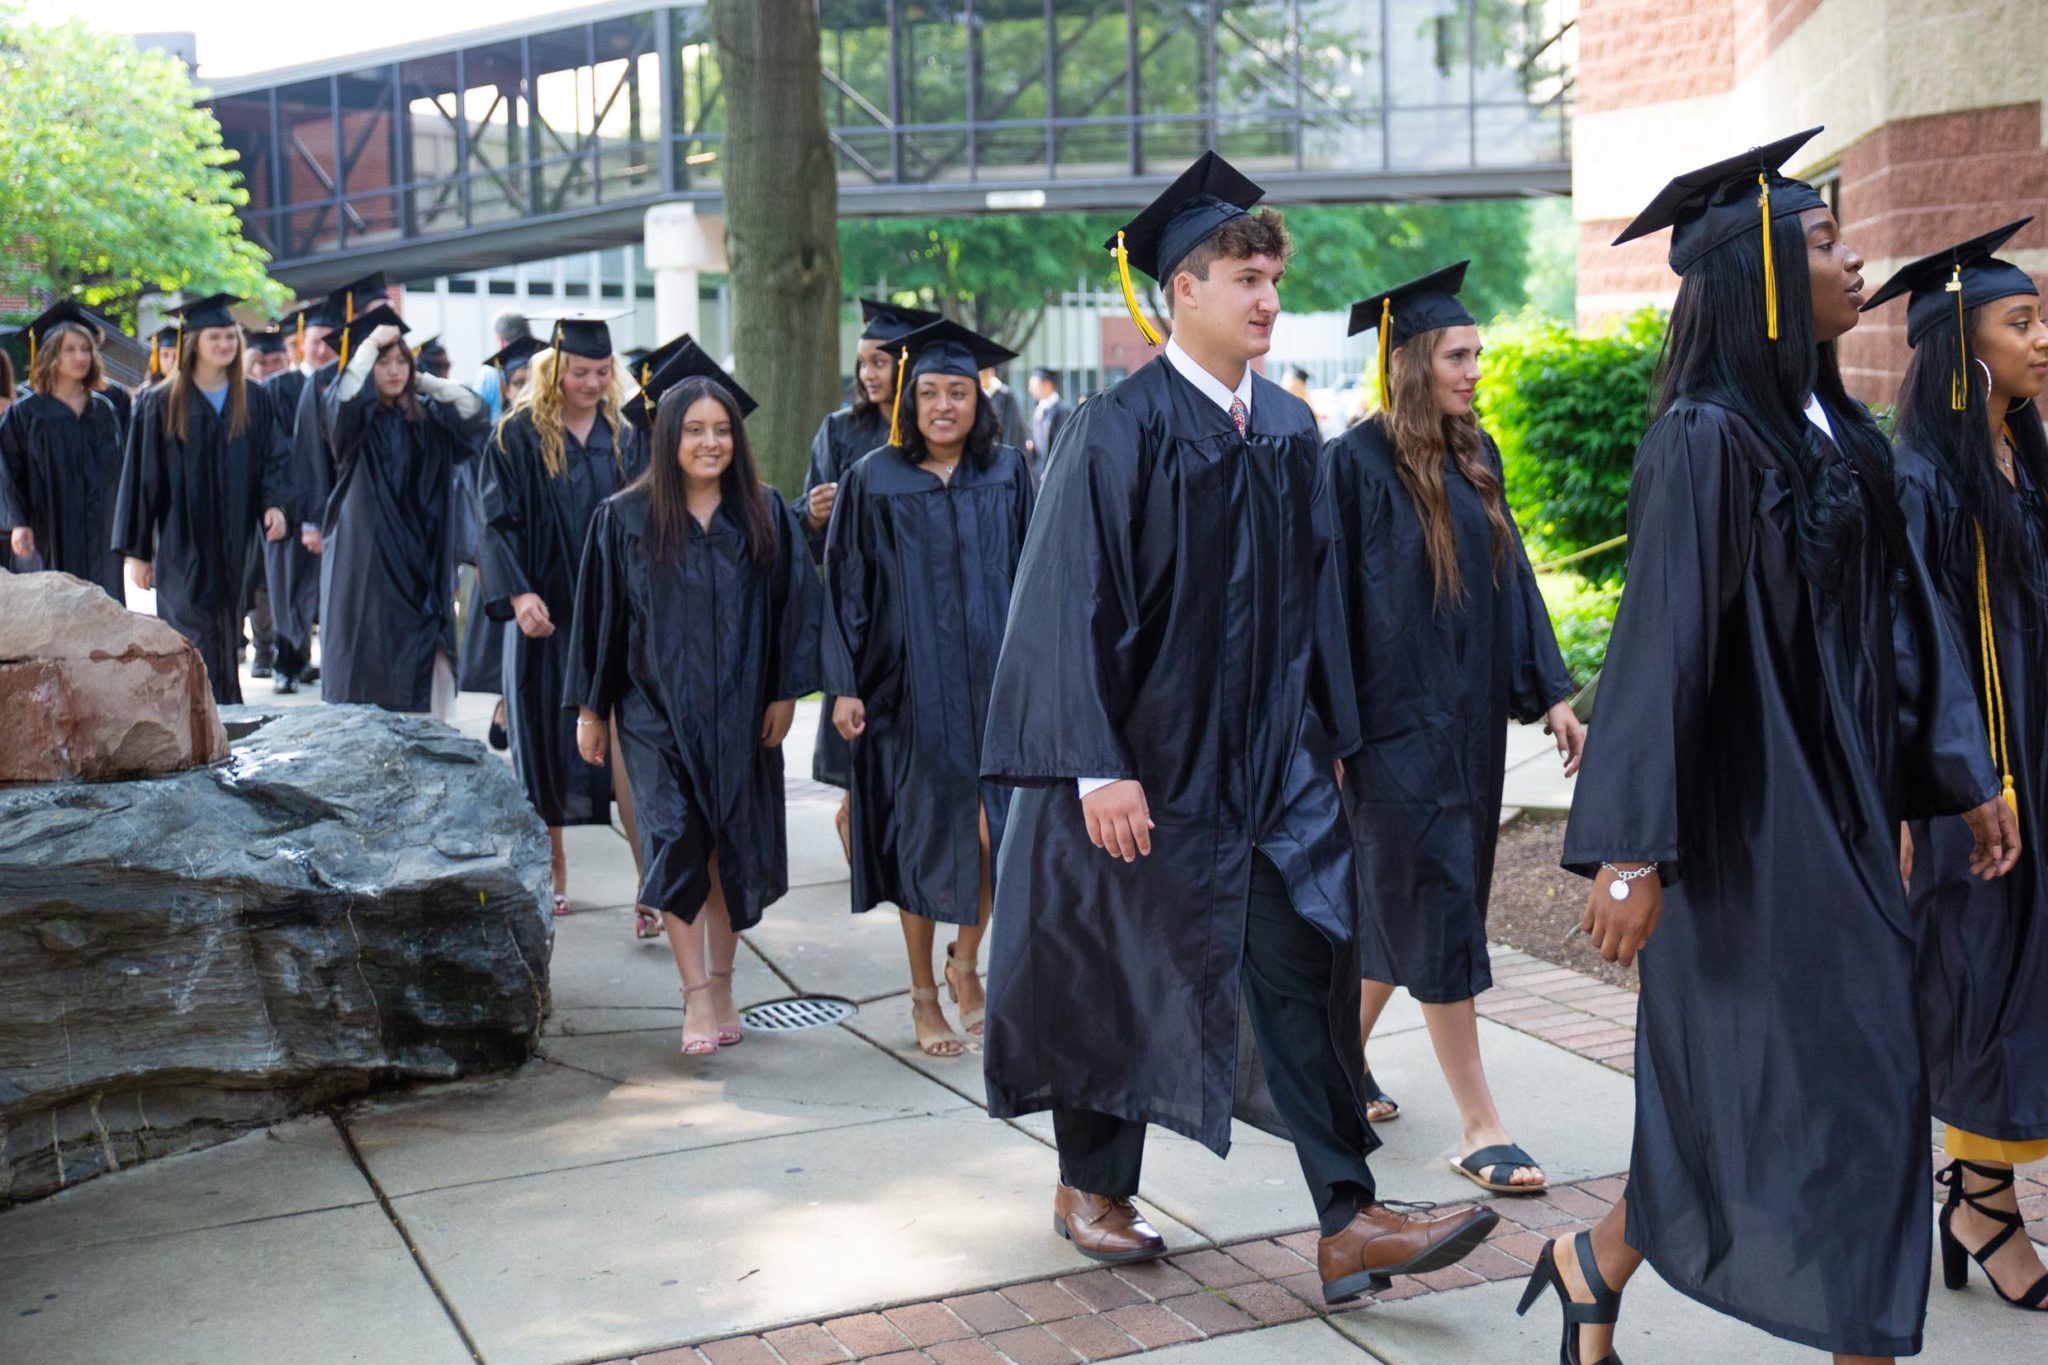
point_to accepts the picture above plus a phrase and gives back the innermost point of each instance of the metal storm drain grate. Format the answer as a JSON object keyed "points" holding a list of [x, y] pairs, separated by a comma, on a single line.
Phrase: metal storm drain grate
{"points": [[804, 1011]]}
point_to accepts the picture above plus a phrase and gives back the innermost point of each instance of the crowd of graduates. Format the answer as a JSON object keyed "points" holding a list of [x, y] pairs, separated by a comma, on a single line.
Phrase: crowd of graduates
{"points": [[1204, 718]]}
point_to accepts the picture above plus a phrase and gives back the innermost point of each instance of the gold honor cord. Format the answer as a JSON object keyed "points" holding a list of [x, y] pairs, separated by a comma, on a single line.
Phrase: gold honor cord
{"points": [[896, 408], [1386, 349], [1959, 383], [1770, 268], [1123, 271], [1994, 689]]}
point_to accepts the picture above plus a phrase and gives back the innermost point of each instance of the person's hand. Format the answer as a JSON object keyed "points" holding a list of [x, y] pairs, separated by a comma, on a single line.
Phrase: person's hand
{"points": [[1906, 855], [273, 523], [776, 722], [383, 337], [1619, 928], [849, 717], [818, 506], [1997, 832], [22, 540], [532, 615], [311, 538], [1119, 820], [1563, 723], [141, 574], [592, 739]]}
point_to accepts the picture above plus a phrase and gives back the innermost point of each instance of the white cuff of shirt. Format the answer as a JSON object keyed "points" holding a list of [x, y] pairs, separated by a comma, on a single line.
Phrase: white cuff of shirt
{"points": [[1085, 786]]}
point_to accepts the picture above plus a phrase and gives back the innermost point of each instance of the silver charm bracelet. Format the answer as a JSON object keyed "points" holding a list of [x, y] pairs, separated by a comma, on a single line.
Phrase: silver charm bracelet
{"points": [[1618, 888]]}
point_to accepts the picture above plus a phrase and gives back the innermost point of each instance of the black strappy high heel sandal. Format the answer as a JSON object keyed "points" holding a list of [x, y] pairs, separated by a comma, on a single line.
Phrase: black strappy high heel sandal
{"points": [[1603, 1311], [1956, 1258]]}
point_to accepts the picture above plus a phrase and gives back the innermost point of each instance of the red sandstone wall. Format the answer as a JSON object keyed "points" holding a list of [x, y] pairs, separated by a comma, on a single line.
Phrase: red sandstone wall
{"points": [[1634, 52]]}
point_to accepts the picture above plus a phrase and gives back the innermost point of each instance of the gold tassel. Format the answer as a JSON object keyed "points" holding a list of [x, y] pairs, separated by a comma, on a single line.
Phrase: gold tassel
{"points": [[555, 376], [31, 352], [646, 373], [1770, 269], [178, 350], [1959, 383], [1123, 270], [301, 338], [896, 408], [156, 360], [1386, 350], [1994, 689]]}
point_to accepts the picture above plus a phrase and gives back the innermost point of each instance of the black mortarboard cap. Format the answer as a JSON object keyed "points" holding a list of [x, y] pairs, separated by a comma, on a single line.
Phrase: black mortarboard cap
{"points": [[641, 362], [889, 322], [514, 355], [63, 311], [582, 334], [211, 311], [166, 335], [942, 347], [1408, 310], [1714, 205], [356, 296], [1205, 197], [270, 339], [432, 343], [684, 360], [1978, 277]]}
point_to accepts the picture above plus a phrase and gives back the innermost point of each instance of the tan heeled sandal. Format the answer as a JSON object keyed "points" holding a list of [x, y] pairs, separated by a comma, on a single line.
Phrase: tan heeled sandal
{"points": [[729, 1035], [971, 1020], [696, 1044], [930, 1044]]}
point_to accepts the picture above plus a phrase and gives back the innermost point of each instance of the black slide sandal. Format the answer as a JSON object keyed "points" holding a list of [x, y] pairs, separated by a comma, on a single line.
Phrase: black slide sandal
{"points": [[1487, 1167]]}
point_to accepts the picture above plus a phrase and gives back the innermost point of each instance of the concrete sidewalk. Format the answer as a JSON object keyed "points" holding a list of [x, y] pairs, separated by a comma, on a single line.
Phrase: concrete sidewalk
{"points": [[812, 1196]]}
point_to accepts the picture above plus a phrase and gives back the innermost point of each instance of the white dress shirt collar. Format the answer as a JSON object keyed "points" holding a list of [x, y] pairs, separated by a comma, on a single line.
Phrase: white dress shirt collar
{"points": [[1210, 386]]}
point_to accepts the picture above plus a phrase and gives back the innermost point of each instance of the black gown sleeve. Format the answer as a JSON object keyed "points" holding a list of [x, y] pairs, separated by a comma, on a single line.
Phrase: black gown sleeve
{"points": [[598, 631], [1333, 692], [506, 503], [1688, 541], [1537, 677], [271, 445], [849, 587], [139, 503], [820, 472], [1070, 666], [15, 481], [795, 600], [312, 457]]}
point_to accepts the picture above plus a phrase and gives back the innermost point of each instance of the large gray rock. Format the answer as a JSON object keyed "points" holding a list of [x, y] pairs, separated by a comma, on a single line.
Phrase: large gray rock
{"points": [[354, 899]]}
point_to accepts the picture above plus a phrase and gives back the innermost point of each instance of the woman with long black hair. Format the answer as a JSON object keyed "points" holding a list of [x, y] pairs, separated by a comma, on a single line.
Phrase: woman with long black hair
{"points": [[60, 454], [1449, 638], [562, 450], [206, 462], [1973, 479], [919, 561], [693, 635], [1779, 693]]}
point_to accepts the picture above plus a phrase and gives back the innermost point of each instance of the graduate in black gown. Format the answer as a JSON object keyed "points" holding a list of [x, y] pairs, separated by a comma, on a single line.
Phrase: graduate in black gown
{"points": [[60, 455], [1972, 467], [485, 638], [563, 450], [398, 436], [1173, 700], [694, 634], [1449, 639], [206, 461], [289, 565], [263, 355], [842, 438], [923, 544], [1780, 691]]}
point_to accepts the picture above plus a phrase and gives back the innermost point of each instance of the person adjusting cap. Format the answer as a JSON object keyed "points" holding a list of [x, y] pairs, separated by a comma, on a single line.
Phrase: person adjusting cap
{"points": [[1714, 205], [1205, 197], [685, 359], [1408, 310]]}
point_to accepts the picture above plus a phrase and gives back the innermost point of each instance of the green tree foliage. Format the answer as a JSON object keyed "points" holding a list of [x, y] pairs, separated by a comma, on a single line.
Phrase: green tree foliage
{"points": [[113, 180], [1568, 411]]}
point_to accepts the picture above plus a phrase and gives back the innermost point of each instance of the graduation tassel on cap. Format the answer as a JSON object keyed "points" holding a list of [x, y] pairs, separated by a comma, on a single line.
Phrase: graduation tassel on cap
{"points": [[1994, 689], [32, 349], [156, 360], [896, 408], [1770, 269], [300, 334], [1123, 270], [555, 375], [1386, 350], [646, 375], [1959, 382]]}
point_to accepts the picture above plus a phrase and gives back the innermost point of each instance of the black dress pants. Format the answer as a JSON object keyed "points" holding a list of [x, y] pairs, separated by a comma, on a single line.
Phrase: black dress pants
{"points": [[1286, 980]]}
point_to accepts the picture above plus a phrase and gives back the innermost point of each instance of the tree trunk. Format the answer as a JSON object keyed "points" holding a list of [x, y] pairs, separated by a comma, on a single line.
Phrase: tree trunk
{"points": [[781, 226]]}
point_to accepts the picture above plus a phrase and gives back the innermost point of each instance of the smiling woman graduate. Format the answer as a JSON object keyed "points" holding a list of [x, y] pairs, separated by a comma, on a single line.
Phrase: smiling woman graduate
{"points": [[60, 454]]}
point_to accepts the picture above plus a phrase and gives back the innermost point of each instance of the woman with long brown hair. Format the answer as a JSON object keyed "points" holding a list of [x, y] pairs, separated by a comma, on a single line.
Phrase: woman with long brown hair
{"points": [[559, 453], [695, 631], [1449, 639], [60, 454], [206, 461]]}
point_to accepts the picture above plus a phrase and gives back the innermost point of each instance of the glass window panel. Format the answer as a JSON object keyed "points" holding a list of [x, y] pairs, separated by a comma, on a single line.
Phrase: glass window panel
{"points": [[1428, 61], [1091, 75], [245, 130], [1431, 139], [368, 155], [1010, 38], [305, 119], [495, 109], [1171, 75], [854, 48]]}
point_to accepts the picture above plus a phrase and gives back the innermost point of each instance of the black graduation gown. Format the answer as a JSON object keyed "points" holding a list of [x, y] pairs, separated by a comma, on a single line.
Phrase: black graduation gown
{"points": [[291, 570], [481, 667], [187, 506], [124, 408], [687, 655], [532, 539], [917, 588], [842, 438], [389, 571], [1435, 689], [1762, 740], [1179, 620], [1984, 945], [59, 474]]}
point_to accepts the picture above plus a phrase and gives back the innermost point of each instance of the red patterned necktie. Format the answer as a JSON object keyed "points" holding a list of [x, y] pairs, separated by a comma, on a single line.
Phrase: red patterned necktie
{"points": [[1238, 413]]}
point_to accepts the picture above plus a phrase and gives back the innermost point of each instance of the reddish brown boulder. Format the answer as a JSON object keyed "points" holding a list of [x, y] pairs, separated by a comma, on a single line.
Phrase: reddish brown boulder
{"points": [[90, 690]]}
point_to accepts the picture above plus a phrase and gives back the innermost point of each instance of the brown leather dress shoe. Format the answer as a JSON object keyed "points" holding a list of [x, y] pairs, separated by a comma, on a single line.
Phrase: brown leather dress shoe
{"points": [[1380, 1243], [1103, 1228]]}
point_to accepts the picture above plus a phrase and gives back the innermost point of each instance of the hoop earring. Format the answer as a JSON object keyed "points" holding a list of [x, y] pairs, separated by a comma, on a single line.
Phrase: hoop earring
{"points": [[1978, 361]]}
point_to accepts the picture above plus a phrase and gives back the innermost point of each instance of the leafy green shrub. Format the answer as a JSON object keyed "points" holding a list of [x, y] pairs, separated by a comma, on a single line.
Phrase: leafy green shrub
{"points": [[1582, 614], [1568, 411]]}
